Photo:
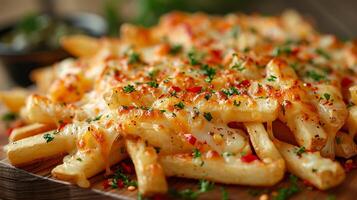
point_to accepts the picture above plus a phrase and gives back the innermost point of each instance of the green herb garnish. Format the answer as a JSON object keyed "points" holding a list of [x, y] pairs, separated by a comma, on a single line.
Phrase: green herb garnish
{"points": [[129, 89], [209, 72], [323, 53], [180, 105], [300, 151], [48, 137], [196, 153], [287, 192], [237, 103], [315, 76], [272, 78], [208, 116], [175, 49], [153, 84], [134, 58], [7, 117]]}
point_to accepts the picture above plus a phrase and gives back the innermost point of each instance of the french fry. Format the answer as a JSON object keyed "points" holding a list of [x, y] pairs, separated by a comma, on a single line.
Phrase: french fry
{"points": [[43, 77], [266, 172], [323, 173], [296, 112], [38, 147], [40, 109], [14, 99], [80, 45], [261, 142], [79, 167], [332, 111], [344, 145], [216, 169], [151, 177], [29, 130]]}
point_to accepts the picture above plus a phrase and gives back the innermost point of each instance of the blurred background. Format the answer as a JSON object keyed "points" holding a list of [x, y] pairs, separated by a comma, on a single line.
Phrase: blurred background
{"points": [[30, 29]]}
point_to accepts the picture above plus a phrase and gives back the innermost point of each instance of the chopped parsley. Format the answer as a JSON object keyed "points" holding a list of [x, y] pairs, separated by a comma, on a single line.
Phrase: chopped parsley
{"points": [[119, 175], [287, 192], [231, 91], [224, 193], [238, 66], [272, 78], [300, 151], [180, 105], [79, 159], [162, 111], [7, 117], [175, 49], [129, 89], [94, 119], [134, 58], [208, 116], [152, 74], [237, 103], [153, 84], [314, 75], [48, 137], [193, 58], [196, 153], [338, 140], [204, 186], [208, 96], [323, 53], [278, 51], [327, 96], [209, 72]]}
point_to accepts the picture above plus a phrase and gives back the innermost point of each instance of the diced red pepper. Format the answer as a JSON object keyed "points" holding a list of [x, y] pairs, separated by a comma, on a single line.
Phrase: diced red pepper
{"points": [[62, 125], [308, 183], [348, 166], [235, 125], [9, 131], [177, 89], [244, 84], [126, 167], [194, 89], [345, 82], [248, 158], [190, 138], [106, 184], [120, 183]]}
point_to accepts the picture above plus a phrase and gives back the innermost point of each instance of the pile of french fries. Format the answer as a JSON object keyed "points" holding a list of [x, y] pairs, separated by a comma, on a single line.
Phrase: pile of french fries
{"points": [[235, 99]]}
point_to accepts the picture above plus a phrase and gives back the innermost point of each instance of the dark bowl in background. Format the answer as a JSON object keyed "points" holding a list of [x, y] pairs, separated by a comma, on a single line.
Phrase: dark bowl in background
{"points": [[19, 63]]}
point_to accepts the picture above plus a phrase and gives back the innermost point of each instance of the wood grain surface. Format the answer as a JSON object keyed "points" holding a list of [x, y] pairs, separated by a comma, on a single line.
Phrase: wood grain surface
{"points": [[35, 182]]}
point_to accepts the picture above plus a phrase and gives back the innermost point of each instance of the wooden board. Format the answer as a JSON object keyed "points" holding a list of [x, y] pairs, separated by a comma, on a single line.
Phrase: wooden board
{"points": [[35, 182]]}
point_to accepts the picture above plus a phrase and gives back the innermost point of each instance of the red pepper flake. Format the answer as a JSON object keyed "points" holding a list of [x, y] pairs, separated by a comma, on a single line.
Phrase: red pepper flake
{"points": [[127, 168], [9, 131], [190, 138], [349, 165], [244, 84], [216, 56], [120, 184], [62, 125], [106, 184], [235, 125], [308, 183], [248, 158], [345, 82], [194, 89], [177, 89]]}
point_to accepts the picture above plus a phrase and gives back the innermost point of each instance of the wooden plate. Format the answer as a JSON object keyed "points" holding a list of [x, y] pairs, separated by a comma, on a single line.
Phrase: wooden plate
{"points": [[35, 182]]}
